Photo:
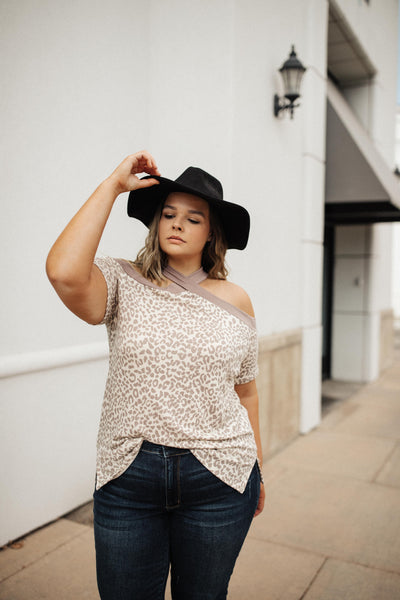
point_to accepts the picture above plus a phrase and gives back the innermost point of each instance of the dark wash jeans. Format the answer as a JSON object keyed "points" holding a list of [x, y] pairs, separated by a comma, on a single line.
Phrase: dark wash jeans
{"points": [[167, 509]]}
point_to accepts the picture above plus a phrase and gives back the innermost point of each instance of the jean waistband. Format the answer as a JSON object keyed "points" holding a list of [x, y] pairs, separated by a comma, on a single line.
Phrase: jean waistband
{"points": [[162, 450]]}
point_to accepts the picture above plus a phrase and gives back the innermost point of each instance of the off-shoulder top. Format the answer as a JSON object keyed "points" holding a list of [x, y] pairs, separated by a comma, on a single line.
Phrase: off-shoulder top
{"points": [[176, 353]]}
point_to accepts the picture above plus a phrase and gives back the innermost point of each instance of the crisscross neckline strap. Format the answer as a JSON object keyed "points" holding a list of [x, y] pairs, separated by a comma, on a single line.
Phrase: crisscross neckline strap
{"points": [[190, 283], [185, 281]]}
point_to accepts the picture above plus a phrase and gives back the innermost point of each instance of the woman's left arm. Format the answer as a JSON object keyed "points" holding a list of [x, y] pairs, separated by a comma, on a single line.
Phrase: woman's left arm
{"points": [[248, 396]]}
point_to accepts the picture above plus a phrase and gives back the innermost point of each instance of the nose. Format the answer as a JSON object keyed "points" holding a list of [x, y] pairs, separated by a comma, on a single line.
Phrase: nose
{"points": [[176, 225]]}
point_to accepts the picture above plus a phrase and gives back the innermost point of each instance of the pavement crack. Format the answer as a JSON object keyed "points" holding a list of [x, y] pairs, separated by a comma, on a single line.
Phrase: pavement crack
{"points": [[385, 462], [313, 579]]}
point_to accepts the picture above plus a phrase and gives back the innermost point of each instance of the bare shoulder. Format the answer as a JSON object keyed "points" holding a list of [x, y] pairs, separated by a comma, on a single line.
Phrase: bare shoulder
{"points": [[230, 292]]}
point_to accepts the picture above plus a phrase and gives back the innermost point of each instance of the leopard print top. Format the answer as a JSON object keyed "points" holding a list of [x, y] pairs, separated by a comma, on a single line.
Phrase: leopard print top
{"points": [[175, 355]]}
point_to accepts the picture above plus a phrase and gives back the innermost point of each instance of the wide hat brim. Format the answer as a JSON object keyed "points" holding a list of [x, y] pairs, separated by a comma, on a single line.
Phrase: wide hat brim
{"points": [[234, 219]]}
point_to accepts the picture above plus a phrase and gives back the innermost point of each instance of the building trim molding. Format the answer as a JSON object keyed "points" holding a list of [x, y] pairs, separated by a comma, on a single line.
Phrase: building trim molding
{"points": [[275, 341], [31, 362]]}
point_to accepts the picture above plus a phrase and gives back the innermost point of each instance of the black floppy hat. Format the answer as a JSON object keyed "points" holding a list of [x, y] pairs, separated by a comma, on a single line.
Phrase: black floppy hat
{"points": [[234, 219]]}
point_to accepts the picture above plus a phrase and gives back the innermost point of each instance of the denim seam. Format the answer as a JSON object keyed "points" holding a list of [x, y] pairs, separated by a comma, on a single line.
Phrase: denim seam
{"points": [[165, 455], [177, 482], [166, 481], [178, 478], [180, 453]]}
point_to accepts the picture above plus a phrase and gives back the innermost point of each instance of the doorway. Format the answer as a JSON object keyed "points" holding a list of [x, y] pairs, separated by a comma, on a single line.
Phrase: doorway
{"points": [[327, 299]]}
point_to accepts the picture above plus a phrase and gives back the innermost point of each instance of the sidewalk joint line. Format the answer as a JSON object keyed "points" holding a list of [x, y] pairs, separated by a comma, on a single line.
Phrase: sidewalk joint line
{"points": [[29, 564], [325, 556], [385, 462], [290, 546], [314, 578]]}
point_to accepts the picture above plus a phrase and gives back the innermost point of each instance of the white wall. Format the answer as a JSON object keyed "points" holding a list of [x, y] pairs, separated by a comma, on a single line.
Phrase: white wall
{"points": [[73, 104], [87, 83], [396, 239], [266, 162], [49, 423], [71, 111], [375, 25]]}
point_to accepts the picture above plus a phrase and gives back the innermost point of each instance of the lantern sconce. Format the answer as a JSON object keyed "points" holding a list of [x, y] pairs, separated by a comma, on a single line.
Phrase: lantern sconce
{"points": [[292, 72]]}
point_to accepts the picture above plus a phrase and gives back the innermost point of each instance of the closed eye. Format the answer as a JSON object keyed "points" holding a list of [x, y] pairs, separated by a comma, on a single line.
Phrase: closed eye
{"points": [[171, 216]]}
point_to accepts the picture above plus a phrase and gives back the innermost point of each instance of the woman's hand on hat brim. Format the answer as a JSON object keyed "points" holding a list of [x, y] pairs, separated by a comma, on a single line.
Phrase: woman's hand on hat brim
{"points": [[125, 179]]}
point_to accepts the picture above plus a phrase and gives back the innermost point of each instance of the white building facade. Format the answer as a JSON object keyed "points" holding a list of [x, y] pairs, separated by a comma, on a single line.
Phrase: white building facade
{"points": [[193, 82], [396, 239]]}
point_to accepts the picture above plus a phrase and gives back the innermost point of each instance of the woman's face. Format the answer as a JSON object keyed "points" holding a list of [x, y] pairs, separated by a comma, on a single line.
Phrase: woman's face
{"points": [[184, 226]]}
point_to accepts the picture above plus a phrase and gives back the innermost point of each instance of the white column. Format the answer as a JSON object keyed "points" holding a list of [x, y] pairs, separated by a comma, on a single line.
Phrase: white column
{"points": [[314, 115], [362, 289]]}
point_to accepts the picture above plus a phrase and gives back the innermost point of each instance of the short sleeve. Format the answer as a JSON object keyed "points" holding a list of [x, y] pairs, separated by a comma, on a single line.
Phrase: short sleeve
{"points": [[109, 268], [249, 367]]}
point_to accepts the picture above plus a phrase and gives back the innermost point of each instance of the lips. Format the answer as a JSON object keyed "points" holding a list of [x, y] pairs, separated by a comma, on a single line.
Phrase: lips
{"points": [[176, 238]]}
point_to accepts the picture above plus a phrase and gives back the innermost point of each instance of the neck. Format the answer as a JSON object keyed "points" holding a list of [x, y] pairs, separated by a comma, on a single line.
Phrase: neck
{"points": [[186, 267]]}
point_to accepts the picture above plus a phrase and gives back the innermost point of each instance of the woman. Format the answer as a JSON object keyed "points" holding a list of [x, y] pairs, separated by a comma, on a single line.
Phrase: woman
{"points": [[177, 479]]}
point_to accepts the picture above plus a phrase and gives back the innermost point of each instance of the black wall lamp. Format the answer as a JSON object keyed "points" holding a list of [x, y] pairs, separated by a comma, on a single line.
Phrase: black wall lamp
{"points": [[292, 72]]}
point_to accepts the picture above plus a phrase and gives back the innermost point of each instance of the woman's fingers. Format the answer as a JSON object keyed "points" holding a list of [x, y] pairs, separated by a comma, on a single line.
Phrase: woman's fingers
{"points": [[144, 162], [261, 501], [144, 183], [124, 176]]}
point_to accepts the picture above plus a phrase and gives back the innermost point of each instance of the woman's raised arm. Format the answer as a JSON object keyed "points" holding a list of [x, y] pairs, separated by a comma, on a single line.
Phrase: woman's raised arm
{"points": [[69, 265]]}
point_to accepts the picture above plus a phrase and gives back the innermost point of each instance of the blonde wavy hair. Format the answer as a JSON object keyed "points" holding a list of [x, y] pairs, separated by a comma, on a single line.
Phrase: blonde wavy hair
{"points": [[151, 260]]}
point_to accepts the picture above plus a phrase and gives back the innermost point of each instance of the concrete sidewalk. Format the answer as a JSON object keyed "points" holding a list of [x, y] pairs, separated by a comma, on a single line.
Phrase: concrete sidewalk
{"points": [[330, 529]]}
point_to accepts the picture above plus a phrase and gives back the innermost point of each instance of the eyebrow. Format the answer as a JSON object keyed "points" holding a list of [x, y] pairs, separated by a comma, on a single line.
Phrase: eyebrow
{"points": [[191, 211]]}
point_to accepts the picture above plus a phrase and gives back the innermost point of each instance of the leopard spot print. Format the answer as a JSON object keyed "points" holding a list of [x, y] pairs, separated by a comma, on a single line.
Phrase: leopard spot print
{"points": [[175, 357]]}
